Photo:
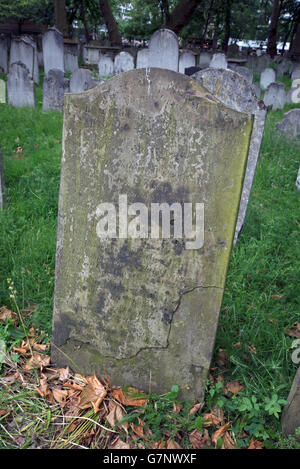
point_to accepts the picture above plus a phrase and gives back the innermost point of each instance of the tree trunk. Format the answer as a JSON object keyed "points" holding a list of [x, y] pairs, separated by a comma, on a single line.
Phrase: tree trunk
{"points": [[83, 19], [111, 24], [208, 16], [181, 15], [60, 17], [166, 10], [294, 51], [272, 45], [227, 26]]}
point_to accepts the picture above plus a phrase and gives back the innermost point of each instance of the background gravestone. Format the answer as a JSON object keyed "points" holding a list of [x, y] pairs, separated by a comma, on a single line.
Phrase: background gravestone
{"points": [[82, 80], [70, 56], [275, 96], [204, 59], [290, 125], [142, 58], [237, 93], [267, 77], [218, 61], [53, 50], [105, 66], [244, 71], [164, 50], [22, 51], [20, 87], [3, 53], [145, 310], [290, 419], [2, 186], [54, 88], [186, 60], [123, 62], [2, 92], [35, 73]]}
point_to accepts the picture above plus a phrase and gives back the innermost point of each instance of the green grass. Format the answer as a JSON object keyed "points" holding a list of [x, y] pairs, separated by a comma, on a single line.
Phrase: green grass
{"points": [[262, 296]]}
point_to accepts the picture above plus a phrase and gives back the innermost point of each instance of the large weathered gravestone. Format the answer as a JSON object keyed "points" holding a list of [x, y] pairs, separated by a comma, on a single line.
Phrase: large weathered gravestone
{"points": [[20, 87], [164, 50], [267, 77], [2, 92], [21, 50], [105, 66], [82, 80], [186, 60], [142, 58], [53, 50], [54, 88], [290, 125], [123, 62], [3, 53], [290, 419], [236, 92], [2, 186], [275, 96], [133, 302]]}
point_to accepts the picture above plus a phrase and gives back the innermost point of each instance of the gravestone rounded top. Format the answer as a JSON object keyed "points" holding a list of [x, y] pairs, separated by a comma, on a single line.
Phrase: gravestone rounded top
{"points": [[164, 50], [230, 87]]}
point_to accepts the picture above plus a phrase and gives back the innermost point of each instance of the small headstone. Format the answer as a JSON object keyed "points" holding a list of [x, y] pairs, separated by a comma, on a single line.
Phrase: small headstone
{"points": [[70, 57], [218, 61], [3, 53], [123, 62], [91, 54], [283, 67], [186, 59], [298, 180], [105, 66], [205, 59], [290, 419], [164, 50], [142, 58], [54, 88], [189, 71], [53, 50], [293, 95], [81, 80], [290, 125], [275, 96], [2, 92], [2, 185], [20, 87], [267, 77], [236, 92], [21, 50], [296, 74], [138, 303]]}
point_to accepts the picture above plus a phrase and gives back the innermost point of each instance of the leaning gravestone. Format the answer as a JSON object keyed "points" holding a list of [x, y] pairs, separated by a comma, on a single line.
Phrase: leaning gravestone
{"points": [[105, 66], [164, 50], [3, 53], [290, 419], [290, 125], [186, 60], [20, 87], [53, 50], [82, 80], [2, 92], [218, 61], [267, 77], [142, 58], [2, 186], [123, 62], [237, 93], [54, 88], [130, 300], [275, 96]]}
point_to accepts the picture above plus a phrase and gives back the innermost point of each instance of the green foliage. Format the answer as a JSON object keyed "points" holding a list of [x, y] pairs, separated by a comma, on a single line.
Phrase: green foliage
{"points": [[40, 11]]}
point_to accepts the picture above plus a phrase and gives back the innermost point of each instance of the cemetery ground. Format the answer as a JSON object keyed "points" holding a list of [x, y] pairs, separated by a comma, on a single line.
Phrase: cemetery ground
{"points": [[252, 369]]}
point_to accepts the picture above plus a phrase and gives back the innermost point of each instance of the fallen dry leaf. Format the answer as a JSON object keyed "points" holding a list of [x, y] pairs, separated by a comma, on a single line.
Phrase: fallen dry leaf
{"points": [[115, 415], [125, 398], [221, 357], [255, 444], [6, 314], [252, 348], [176, 407], [92, 394], [138, 429], [294, 331], [4, 412], [119, 444], [219, 433], [196, 408], [199, 439], [228, 442], [211, 419], [38, 360], [60, 396], [233, 386], [171, 444]]}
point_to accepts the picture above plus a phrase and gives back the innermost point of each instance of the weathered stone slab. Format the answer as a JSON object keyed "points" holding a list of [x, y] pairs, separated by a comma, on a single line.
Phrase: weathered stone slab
{"points": [[53, 50], [186, 60], [2, 185], [142, 58], [205, 59], [290, 125], [71, 53], [275, 96], [54, 88], [3, 53], [20, 87], [2, 92], [142, 307], [267, 77], [164, 50], [123, 62], [105, 66], [237, 93], [22, 51], [218, 61], [290, 419], [81, 80]]}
